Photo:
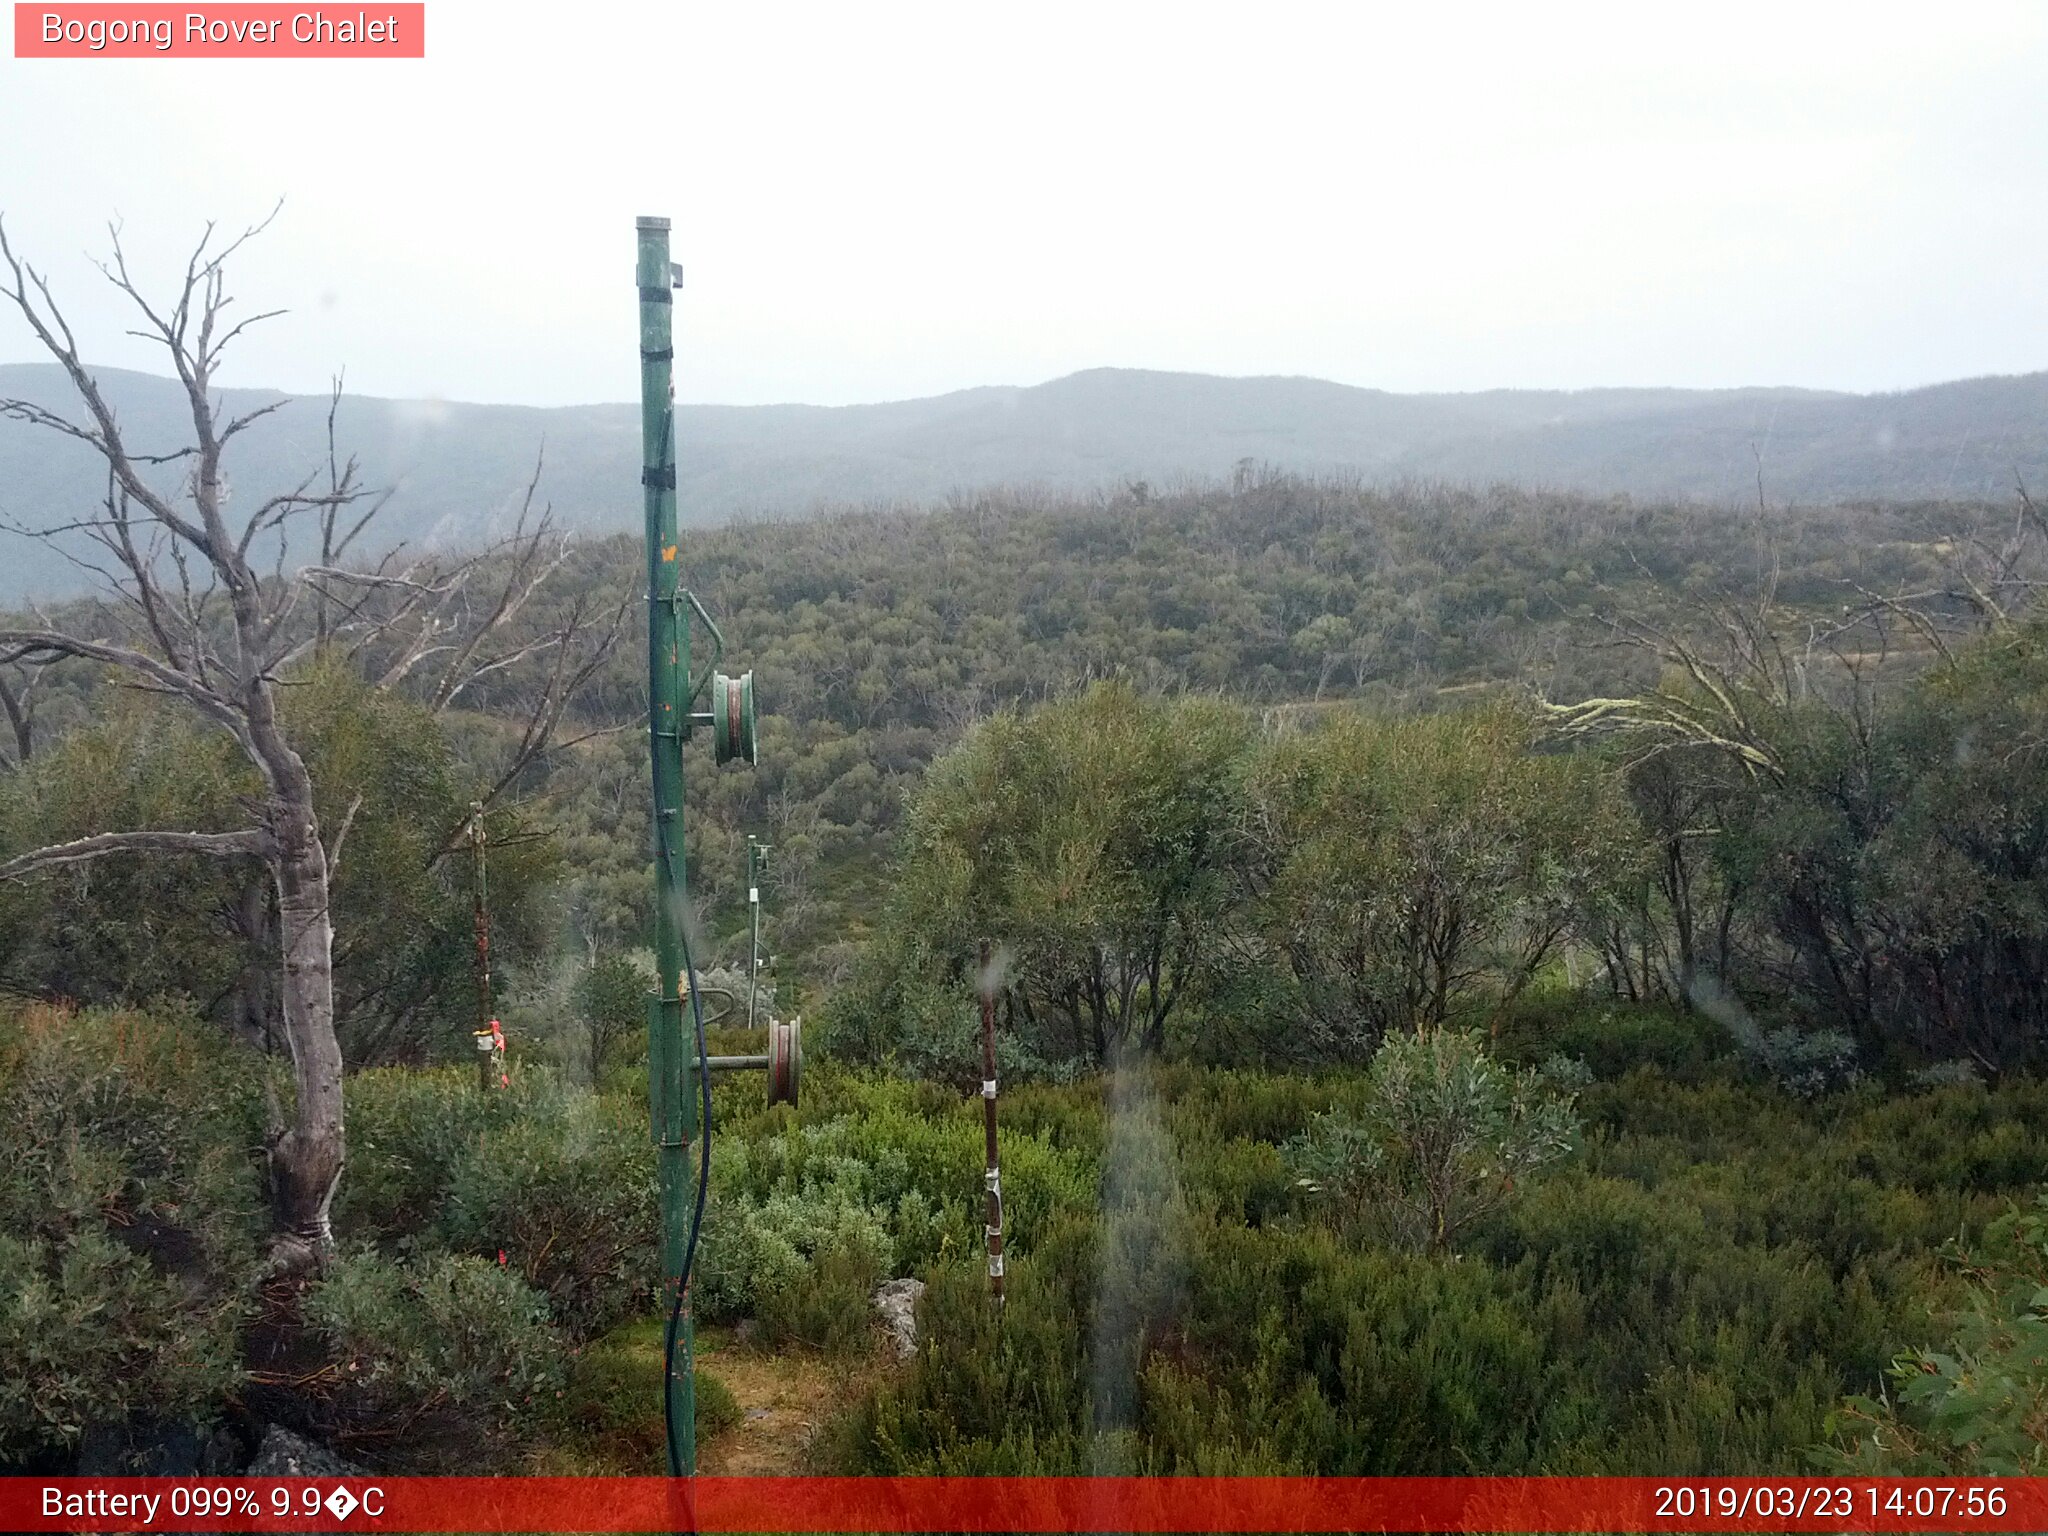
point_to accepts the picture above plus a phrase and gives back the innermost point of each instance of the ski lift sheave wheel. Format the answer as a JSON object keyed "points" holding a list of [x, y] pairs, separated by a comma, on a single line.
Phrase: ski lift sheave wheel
{"points": [[785, 1061], [732, 717]]}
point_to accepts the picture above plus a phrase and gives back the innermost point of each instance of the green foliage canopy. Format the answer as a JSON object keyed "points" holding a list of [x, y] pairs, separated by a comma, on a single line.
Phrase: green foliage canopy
{"points": [[1093, 838], [1417, 871]]}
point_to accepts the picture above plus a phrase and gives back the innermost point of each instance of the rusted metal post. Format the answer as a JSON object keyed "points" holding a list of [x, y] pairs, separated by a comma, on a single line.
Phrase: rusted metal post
{"points": [[489, 1036], [757, 858], [993, 1178]]}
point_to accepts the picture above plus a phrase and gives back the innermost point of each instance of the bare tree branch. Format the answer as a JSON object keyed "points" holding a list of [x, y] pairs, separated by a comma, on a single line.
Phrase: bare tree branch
{"points": [[348, 820], [213, 844]]}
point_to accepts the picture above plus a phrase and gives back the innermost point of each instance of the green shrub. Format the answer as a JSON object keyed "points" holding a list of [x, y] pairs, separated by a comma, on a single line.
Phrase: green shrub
{"points": [[90, 1333], [1256, 1106], [752, 1253], [1804, 1062], [1067, 1117], [1695, 1293], [1691, 1295], [610, 1005], [1445, 1136], [989, 1393], [828, 1306], [407, 1128], [568, 1196], [557, 1179], [611, 1408], [907, 1156], [717, 1409], [1412, 873], [941, 1158], [1978, 1406], [931, 1031], [445, 1329], [131, 1212], [1958, 1137], [1611, 1039], [1238, 1180]]}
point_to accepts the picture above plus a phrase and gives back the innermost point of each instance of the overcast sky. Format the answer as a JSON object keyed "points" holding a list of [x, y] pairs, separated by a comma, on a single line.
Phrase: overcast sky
{"points": [[876, 200]]}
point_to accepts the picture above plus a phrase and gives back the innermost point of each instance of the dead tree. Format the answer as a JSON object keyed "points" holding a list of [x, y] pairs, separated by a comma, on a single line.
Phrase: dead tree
{"points": [[18, 701], [212, 612], [1747, 655], [1733, 675]]}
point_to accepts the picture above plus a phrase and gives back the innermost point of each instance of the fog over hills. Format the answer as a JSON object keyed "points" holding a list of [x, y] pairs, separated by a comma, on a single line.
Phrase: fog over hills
{"points": [[459, 469]]}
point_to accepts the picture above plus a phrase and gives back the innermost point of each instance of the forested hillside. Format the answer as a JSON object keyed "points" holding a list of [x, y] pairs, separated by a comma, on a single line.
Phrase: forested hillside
{"points": [[457, 469], [878, 638], [1491, 982], [877, 641]]}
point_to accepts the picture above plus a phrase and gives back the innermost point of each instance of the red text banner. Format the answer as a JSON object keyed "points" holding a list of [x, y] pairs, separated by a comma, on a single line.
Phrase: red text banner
{"points": [[224, 31], [1007, 1504]]}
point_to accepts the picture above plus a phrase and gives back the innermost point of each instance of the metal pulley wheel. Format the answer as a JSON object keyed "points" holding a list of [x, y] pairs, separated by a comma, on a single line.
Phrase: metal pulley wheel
{"points": [[785, 1060], [732, 717]]}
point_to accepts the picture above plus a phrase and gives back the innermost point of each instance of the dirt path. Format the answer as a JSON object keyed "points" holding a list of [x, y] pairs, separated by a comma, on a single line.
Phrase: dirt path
{"points": [[785, 1398]]}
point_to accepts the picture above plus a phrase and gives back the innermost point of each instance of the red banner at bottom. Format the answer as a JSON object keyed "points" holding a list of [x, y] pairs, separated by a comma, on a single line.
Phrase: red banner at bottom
{"points": [[1005, 1504]]}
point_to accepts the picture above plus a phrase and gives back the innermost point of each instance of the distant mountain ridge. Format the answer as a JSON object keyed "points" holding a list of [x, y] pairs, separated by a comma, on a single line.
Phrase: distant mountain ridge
{"points": [[459, 469]]}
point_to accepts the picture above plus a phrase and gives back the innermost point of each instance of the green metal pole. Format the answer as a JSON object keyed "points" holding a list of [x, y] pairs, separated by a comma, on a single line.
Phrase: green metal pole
{"points": [[671, 1056]]}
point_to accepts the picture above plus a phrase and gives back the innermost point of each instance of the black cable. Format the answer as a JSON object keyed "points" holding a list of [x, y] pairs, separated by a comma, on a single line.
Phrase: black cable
{"points": [[668, 854], [675, 1306]]}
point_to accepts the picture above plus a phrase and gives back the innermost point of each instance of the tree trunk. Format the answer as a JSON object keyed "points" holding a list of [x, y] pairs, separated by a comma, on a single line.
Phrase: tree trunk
{"points": [[255, 996], [306, 1160]]}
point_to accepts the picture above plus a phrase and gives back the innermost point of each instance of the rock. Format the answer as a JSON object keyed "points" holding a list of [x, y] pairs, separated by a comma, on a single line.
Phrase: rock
{"points": [[284, 1454], [897, 1302]]}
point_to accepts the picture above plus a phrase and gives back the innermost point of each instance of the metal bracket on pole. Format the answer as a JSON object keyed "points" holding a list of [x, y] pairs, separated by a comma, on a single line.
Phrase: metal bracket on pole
{"points": [[717, 644]]}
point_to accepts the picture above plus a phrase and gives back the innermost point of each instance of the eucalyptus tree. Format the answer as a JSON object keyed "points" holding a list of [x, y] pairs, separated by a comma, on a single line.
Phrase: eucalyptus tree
{"points": [[1411, 873], [215, 610], [1093, 838]]}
